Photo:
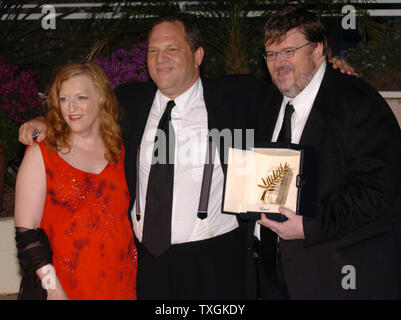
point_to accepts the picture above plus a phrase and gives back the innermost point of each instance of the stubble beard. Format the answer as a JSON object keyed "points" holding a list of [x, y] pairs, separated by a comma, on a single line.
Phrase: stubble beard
{"points": [[300, 83]]}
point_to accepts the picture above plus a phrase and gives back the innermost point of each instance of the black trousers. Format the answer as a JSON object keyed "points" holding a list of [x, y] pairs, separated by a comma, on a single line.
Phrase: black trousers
{"points": [[209, 269], [271, 279]]}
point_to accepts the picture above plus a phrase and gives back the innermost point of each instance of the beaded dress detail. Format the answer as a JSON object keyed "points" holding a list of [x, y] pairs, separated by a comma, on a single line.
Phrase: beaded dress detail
{"points": [[86, 220]]}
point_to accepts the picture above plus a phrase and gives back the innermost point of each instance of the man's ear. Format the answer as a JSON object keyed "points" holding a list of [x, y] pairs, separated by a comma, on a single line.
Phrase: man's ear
{"points": [[318, 51], [199, 53]]}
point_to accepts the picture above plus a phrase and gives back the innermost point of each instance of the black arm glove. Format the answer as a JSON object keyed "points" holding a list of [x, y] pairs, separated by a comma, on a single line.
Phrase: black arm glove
{"points": [[34, 252]]}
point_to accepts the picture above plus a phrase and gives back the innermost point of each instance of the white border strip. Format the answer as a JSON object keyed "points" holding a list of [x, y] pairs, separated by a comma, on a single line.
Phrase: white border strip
{"points": [[391, 94], [71, 16], [384, 13]]}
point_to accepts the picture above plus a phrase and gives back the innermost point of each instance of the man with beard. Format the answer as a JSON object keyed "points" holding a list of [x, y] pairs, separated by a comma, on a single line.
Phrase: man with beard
{"points": [[351, 249]]}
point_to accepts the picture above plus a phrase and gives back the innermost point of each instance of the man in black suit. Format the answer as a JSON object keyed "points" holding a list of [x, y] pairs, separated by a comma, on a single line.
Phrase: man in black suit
{"points": [[351, 249], [208, 255]]}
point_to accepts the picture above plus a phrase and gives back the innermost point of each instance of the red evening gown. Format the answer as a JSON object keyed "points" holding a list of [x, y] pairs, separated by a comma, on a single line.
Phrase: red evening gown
{"points": [[86, 220]]}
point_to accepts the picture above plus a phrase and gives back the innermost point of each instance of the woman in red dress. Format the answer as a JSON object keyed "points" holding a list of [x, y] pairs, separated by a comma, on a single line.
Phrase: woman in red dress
{"points": [[71, 210]]}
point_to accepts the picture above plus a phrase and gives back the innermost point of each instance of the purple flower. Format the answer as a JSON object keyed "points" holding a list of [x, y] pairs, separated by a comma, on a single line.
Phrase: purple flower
{"points": [[383, 57], [18, 92], [125, 65]]}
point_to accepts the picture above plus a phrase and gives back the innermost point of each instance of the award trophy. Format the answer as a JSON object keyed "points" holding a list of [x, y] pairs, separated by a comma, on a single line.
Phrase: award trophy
{"points": [[263, 179]]}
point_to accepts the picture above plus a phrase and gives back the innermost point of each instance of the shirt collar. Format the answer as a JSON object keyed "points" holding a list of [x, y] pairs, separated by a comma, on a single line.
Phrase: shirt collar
{"points": [[306, 97], [183, 101]]}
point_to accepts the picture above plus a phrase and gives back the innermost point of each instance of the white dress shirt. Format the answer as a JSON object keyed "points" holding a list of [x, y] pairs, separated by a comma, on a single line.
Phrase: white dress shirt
{"points": [[190, 122], [302, 104]]}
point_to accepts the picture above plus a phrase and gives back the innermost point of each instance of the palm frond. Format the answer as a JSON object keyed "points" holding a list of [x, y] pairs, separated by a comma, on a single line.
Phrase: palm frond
{"points": [[274, 179]]}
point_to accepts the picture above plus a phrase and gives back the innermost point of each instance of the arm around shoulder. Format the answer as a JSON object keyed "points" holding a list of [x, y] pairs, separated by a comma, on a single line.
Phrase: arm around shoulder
{"points": [[26, 131]]}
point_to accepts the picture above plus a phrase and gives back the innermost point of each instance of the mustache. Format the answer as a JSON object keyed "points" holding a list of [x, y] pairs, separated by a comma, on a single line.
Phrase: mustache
{"points": [[283, 68]]}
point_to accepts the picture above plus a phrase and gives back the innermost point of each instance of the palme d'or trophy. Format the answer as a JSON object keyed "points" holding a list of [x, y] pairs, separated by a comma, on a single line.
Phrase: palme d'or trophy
{"points": [[276, 185]]}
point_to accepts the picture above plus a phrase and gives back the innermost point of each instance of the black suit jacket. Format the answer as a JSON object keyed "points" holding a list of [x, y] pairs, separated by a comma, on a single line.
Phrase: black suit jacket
{"points": [[358, 222]]}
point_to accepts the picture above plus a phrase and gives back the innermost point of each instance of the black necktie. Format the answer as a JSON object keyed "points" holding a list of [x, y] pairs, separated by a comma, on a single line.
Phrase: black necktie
{"points": [[285, 132], [159, 194], [268, 238]]}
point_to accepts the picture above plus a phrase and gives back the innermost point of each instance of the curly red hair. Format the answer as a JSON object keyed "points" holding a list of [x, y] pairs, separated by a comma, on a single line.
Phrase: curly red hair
{"points": [[58, 133]]}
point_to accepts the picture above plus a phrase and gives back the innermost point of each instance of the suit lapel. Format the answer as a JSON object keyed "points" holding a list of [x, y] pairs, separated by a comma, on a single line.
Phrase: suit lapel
{"points": [[212, 104], [144, 110], [211, 101], [316, 123]]}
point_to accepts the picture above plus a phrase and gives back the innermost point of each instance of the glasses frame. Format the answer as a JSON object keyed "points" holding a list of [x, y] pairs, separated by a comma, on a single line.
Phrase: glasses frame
{"points": [[286, 53]]}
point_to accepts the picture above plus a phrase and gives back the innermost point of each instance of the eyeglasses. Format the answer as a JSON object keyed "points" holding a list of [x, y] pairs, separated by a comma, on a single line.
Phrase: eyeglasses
{"points": [[286, 53]]}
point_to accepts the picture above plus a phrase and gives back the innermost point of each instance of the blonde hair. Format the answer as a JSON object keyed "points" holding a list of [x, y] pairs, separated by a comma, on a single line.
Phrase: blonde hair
{"points": [[58, 133]]}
